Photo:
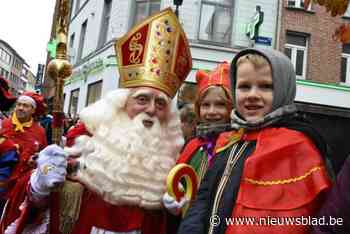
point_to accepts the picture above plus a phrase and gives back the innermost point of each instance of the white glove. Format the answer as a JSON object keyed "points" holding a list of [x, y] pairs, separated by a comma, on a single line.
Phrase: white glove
{"points": [[173, 206], [82, 146], [51, 170]]}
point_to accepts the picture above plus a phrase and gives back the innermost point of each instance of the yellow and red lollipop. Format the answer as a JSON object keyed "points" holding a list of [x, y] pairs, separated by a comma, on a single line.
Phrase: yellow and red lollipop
{"points": [[174, 179]]}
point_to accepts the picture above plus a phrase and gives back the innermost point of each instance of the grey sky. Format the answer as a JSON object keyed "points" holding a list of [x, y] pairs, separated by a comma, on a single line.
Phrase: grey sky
{"points": [[26, 26]]}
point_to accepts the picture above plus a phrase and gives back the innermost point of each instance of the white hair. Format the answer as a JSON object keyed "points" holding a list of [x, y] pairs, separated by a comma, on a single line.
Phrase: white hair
{"points": [[105, 109], [123, 161]]}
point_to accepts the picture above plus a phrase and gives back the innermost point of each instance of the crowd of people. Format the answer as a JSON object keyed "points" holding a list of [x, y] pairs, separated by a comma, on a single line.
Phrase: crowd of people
{"points": [[253, 154]]}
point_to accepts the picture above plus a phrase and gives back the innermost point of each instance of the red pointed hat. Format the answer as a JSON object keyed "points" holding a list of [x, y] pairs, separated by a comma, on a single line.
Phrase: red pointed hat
{"points": [[6, 98], [39, 104], [220, 76]]}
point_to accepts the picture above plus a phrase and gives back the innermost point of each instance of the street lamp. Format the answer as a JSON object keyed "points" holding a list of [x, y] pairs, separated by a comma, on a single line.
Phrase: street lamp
{"points": [[177, 3]]}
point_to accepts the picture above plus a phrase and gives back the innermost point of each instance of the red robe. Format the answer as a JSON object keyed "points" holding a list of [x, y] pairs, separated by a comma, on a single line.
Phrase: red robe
{"points": [[283, 178], [31, 141], [190, 149], [94, 212]]}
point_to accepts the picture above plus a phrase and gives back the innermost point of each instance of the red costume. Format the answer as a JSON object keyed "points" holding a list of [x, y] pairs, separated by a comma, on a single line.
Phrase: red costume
{"points": [[278, 182], [30, 138], [31, 141], [291, 181]]}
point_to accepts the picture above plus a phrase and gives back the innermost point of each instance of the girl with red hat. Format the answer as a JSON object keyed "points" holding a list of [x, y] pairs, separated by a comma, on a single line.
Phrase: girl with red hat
{"points": [[213, 106]]}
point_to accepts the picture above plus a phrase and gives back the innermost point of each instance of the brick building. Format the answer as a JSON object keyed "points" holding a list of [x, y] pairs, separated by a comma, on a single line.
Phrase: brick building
{"points": [[306, 37]]}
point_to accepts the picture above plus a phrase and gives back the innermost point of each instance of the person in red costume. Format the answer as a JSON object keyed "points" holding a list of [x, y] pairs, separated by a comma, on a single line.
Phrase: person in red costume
{"points": [[273, 167], [8, 149], [134, 140], [213, 106], [26, 133]]}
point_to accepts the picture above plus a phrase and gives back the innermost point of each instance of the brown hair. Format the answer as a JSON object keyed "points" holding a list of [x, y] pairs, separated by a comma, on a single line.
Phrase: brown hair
{"points": [[187, 114], [226, 95]]}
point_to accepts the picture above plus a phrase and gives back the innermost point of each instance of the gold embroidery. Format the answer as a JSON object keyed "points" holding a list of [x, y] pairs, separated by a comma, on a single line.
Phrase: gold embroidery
{"points": [[156, 49], [162, 49], [135, 48], [203, 167], [46, 168], [232, 139], [285, 181], [70, 201]]}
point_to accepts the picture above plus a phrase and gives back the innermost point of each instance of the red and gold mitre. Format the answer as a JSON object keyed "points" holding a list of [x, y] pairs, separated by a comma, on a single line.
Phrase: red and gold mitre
{"points": [[155, 53], [220, 76]]}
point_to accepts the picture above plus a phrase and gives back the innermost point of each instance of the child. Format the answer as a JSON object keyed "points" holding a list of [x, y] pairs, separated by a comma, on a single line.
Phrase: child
{"points": [[274, 168], [213, 105]]}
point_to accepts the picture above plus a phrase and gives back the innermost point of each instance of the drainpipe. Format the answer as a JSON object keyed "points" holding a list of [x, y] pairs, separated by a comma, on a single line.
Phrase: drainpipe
{"points": [[278, 24]]}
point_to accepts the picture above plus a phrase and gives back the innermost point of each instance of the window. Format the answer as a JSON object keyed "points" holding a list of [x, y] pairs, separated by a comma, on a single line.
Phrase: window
{"points": [[105, 23], [73, 104], [17, 64], [345, 64], [94, 92], [8, 58], [298, 4], [71, 48], [71, 40], [296, 50], [71, 9], [82, 39], [4, 73], [145, 8], [77, 6], [4, 56], [216, 21]]}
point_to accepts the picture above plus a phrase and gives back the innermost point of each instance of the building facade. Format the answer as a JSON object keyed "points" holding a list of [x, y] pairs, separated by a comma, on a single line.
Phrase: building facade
{"points": [[216, 29], [13, 67], [30, 78], [322, 64]]}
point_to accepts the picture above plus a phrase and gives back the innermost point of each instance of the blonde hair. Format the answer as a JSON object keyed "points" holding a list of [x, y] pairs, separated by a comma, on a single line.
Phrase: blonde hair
{"points": [[226, 95], [257, 60]]}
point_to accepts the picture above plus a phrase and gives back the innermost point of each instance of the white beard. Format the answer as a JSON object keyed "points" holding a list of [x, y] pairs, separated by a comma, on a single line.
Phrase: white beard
{"points": [[126, 163]]}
